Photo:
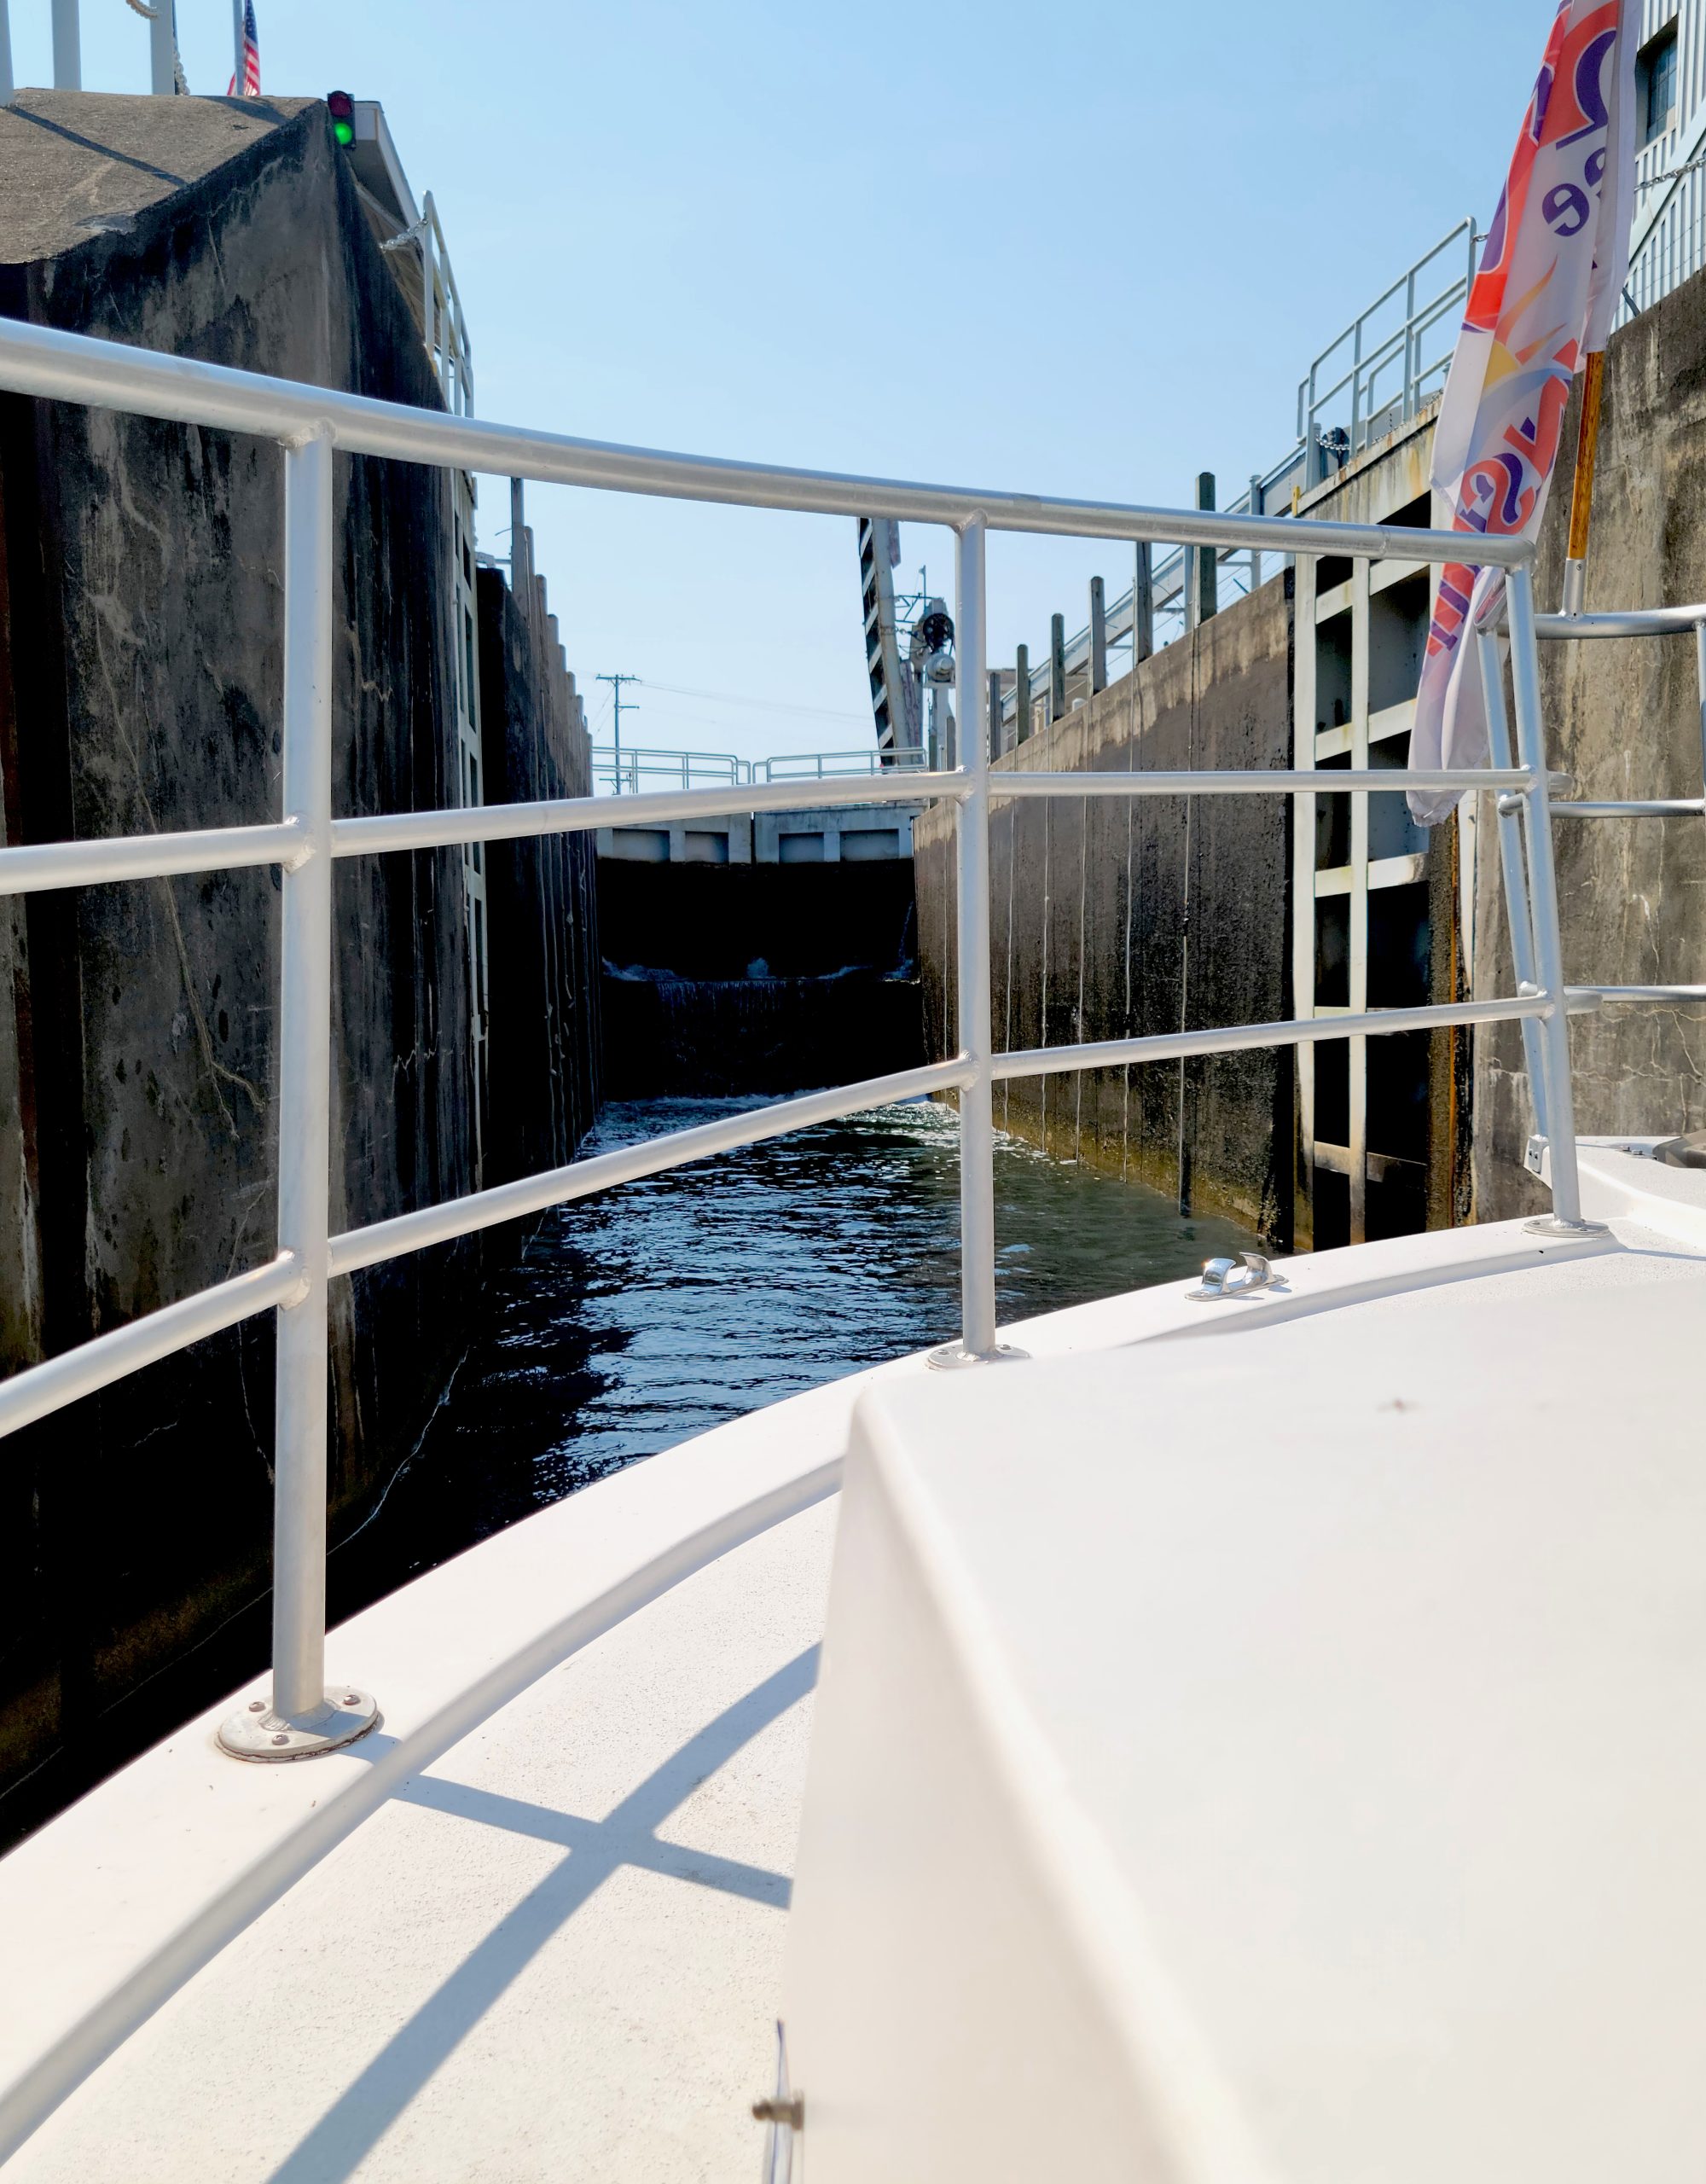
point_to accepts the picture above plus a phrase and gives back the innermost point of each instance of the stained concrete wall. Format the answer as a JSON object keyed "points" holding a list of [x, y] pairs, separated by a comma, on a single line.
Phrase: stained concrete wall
{"points": [[1115, 918], [1624, 720], [140, 629], [1376, 907], [756, 978], [543, 1041], [1072, 928]]}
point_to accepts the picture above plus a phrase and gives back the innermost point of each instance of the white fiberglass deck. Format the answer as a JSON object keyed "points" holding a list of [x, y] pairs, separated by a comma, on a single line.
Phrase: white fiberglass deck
{"points": [[1312, 1789], [555, 1947]]}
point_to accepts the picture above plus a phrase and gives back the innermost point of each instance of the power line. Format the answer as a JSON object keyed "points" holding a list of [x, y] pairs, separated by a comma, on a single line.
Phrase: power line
{"points": [[758, 705]]}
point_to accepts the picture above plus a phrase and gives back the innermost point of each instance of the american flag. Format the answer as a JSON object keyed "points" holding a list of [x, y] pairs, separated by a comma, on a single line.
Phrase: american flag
{"points": [[252, 56]]}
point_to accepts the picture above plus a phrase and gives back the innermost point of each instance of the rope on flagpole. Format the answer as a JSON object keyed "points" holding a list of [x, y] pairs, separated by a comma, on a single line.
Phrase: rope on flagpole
{"points": [[180, 82]]}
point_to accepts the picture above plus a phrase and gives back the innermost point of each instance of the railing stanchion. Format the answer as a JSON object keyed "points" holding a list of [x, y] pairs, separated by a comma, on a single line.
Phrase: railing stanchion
{"points": [[978, 1344], [303, 1717], [1560, 1102], [304, 1078], [1517, 912]]}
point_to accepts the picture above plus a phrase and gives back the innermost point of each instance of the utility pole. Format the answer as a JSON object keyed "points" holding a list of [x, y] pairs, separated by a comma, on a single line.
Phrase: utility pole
{"points": [[616, 683]]}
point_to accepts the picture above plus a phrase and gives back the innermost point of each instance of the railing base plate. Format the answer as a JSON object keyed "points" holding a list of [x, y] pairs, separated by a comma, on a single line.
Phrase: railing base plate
{"points": [[954, 1357], [259, 1733], [1548, 1224]]}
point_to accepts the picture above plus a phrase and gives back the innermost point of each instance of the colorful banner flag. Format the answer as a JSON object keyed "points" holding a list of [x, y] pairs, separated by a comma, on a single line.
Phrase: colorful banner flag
{"points": [[1551, 273]]}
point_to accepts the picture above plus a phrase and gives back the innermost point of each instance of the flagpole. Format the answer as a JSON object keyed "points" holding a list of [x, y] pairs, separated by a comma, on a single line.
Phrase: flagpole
{"points": [[1582, 495]]}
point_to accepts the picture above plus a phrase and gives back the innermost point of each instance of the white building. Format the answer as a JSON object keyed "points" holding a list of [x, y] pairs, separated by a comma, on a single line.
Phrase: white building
{"points": [[1669, 241]]}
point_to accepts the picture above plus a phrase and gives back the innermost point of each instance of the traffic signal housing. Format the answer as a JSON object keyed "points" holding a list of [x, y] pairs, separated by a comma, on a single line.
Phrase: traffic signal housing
{"points": [[342, 109]]}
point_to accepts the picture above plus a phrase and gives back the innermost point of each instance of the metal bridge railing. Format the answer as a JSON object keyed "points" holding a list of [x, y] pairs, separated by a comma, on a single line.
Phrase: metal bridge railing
{"points": [[630, 772], [830, 765], [311, 425]]}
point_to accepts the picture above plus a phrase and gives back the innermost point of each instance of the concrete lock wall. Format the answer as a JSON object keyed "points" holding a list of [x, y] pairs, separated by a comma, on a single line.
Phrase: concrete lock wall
{"points": [[541, 896], [1438, 1123], [1378, 904], [1091, 901], [756, 978], [140, 687]]}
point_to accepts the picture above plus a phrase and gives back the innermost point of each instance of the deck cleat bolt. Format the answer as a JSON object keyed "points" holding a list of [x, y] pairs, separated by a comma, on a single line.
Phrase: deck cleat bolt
{"points": [[265, 1732]]}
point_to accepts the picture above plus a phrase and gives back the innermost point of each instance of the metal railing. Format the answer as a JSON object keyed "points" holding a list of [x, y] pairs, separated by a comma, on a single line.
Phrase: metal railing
{"points": [[628, 771], [446, 328], [1387, 357], [311, 424], [443, 327], [1640, 622], [68, 47], [1376, 375], [829, 765]]}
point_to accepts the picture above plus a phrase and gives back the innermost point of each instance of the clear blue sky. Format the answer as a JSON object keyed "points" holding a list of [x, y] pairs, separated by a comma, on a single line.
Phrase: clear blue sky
{"points": [[1079, 248]]}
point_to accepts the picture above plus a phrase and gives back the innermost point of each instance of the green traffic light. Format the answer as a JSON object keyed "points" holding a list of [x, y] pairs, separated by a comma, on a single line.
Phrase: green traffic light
{"points": [[343, 132]]}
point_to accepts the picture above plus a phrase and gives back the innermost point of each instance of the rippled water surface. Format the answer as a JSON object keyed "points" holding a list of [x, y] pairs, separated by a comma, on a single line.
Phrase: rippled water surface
{"points": [[636, 1319]]}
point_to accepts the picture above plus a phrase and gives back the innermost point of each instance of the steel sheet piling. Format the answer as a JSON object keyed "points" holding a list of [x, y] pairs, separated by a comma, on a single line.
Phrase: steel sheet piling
{"points": [[304, 1082], [1560, 1104], [977, 1113]]}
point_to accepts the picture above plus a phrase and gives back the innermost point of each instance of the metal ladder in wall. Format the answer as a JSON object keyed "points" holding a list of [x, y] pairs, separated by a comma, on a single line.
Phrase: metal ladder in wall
{"points": [[1523, 871]]}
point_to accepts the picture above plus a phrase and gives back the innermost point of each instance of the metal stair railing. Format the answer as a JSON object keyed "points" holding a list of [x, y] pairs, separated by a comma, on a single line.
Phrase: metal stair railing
{"points": [[311, 425]]}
